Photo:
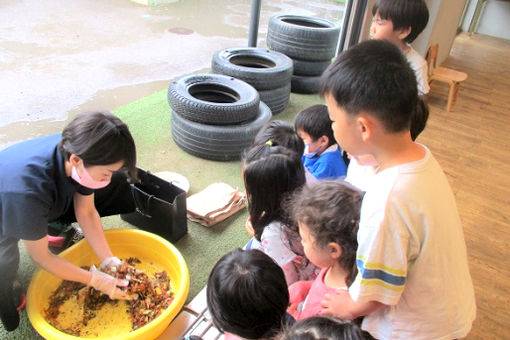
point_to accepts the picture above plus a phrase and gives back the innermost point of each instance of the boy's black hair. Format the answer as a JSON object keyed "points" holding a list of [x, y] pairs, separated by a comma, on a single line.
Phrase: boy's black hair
{"points": [[330, 209], [99, 138], [270, 174], [314, 120], [323, 328], [247, 294], [374, 77], [404, 14], [280, 133], [419, 118]]}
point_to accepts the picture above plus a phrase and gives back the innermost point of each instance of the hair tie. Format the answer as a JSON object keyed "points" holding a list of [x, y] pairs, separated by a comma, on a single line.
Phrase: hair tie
{"points": [[269, 142]]}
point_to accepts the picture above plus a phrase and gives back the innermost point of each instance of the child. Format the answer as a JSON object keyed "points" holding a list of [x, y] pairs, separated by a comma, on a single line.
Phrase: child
{"points": [[328, 215], [247, 295], [322, 156], [413, 277], [322, 328], [280, 133], [363, 168], [63, 177], [270, 174], [401, 21]]}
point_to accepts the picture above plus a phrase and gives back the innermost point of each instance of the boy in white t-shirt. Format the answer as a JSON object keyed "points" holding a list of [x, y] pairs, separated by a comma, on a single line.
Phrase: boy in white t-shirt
{"points": [[401, 21], [363, 168], [413, 280]]}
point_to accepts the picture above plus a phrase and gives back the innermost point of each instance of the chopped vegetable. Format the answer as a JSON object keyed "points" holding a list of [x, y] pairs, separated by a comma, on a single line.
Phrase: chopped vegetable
{"points": [[148, 296]]}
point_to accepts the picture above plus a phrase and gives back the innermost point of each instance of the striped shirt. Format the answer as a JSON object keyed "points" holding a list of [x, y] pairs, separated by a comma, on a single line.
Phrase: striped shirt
{"points": [[412, 256]]}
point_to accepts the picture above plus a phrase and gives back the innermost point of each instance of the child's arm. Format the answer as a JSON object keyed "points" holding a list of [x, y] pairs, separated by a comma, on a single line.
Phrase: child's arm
{"points": [[343, 306]]}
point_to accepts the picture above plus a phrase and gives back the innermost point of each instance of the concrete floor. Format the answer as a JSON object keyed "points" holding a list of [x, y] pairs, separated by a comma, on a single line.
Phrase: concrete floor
{"points": [[59, 59]]}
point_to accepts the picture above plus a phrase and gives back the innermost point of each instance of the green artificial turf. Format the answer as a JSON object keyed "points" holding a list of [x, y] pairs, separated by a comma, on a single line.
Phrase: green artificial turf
{"points": [[149, 122]]}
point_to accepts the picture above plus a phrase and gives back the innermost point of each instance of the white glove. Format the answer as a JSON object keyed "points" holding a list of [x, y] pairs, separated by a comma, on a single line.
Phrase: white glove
{"points": [[108, 284], [113, 261]]}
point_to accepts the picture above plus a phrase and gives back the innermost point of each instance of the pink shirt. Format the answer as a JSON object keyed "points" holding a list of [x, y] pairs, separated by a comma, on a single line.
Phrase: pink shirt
{"points": [[307, 296]]}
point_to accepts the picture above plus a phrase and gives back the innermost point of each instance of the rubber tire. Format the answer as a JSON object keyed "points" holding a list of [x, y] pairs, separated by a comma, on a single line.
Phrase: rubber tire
{"points": [[305, 85], [208, 101], [276, 99], [310, 68], [303, 37], [265, 77], [214, 142]]}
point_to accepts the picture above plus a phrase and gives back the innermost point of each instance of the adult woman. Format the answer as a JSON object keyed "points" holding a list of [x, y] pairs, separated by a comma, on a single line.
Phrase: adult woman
{"points": [[53, 178]]}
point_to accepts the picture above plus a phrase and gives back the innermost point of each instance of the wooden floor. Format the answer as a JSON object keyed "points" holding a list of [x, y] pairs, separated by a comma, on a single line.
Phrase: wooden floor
{"points": [[472, 143]]}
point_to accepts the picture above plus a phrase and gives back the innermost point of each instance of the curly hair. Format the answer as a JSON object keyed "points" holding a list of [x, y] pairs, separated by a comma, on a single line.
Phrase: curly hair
{"points": [[330, 209]]}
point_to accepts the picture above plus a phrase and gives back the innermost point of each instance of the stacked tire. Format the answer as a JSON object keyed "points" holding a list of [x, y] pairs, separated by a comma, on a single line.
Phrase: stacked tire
{"points": [[310, 42], [215, 116], [269, 72]]}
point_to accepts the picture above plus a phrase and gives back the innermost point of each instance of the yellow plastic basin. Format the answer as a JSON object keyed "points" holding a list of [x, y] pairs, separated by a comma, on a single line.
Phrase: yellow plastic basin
{"points": [[124, 243]]}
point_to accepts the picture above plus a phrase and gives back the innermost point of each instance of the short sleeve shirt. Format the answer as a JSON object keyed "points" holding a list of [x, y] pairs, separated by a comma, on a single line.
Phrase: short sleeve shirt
{"points": [[34, 188], [412, 256], [420, 68]]}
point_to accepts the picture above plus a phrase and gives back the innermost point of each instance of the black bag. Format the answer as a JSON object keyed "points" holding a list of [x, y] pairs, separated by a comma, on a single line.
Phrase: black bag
{"points": [[160, 207]]}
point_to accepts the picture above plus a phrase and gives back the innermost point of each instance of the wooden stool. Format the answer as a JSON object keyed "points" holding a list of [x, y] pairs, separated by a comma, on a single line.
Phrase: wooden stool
{"points": [[445, 75]]}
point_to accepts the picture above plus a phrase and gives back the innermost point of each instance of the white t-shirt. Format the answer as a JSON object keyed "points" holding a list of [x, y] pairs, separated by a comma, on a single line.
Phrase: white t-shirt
{"points": [[359, 175], [412, 256], [420, 68]]}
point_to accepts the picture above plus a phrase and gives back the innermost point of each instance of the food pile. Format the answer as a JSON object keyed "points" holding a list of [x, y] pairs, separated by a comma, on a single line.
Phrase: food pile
{"points": [[148, 297]]}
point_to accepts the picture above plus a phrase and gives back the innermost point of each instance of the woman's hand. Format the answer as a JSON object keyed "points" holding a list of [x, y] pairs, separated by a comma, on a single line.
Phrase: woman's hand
{"points": [[109, 262], [107, 284]]}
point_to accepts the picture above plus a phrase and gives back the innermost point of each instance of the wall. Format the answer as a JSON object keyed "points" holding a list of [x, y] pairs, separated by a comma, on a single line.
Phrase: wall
{"points": [[444, 30], [494, 19]]}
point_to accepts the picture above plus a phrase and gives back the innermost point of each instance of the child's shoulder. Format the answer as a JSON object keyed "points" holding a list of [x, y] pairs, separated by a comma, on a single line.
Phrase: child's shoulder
{"points": [[414, 57]]}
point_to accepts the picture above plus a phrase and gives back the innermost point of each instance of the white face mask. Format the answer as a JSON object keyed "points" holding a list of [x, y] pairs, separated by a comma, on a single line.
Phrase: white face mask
{"points": [[308, 154], [86, 180]]}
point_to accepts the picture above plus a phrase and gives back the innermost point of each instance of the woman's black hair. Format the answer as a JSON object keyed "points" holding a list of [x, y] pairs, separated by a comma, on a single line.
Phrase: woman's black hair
{"points": [[330, 209], [270, 174], [404, 14], [99, 138], [247, 294], [280, 133], [374, 77], [314, 120], [322, 328]]}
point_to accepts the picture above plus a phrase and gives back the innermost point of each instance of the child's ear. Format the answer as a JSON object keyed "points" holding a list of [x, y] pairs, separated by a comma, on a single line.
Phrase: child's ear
{"points": [[365, 127], [404, 32], [335, 251], [74, 160], [324, 140]]}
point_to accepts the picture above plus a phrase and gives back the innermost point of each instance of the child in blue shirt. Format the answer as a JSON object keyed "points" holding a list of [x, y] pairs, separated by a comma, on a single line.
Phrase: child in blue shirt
{"points": [[322, 156]]}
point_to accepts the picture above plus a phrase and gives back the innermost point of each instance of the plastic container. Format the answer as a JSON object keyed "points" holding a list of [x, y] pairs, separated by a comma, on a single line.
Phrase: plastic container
{"points": [[124, 243]]}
